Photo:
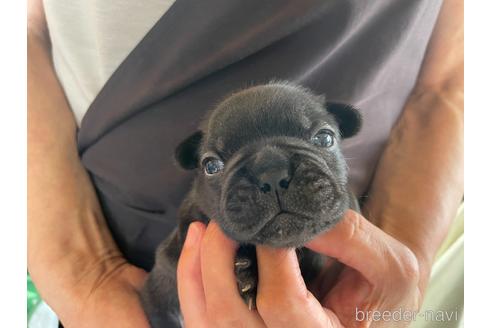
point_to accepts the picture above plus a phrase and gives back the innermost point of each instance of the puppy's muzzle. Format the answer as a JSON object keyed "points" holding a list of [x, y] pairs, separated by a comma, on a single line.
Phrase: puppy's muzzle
{"points": [[272, 170]]}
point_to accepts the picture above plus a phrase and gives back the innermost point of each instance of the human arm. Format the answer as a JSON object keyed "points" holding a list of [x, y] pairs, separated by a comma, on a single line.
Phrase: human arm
{"points": [[418, 183], [72, 257]]}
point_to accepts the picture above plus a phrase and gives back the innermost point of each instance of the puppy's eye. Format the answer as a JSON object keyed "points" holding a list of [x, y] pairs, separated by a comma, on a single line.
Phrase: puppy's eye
{"points": [[324, 138], [212, 165]]}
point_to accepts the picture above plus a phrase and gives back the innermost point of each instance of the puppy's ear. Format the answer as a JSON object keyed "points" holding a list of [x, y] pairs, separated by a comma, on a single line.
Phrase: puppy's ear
{"points": [[186, 153], [348, 118]]}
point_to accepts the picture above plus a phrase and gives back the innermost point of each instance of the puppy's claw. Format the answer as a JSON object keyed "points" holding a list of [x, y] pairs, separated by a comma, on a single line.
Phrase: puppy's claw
{"points": [[250, 303], [242, 263], [246, 287]]}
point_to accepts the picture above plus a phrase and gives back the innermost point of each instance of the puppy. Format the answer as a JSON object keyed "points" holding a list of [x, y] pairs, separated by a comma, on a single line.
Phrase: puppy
{"points": [[270, 171]]}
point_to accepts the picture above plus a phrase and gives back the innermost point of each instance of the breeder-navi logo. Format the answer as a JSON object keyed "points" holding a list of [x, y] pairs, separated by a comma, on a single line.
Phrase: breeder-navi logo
{"points": [[405, 315]]}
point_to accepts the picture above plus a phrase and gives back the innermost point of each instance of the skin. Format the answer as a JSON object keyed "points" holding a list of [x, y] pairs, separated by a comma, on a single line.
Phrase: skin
{"points": [[82, 275], [72, 257], [206, 278], [425, 150]]}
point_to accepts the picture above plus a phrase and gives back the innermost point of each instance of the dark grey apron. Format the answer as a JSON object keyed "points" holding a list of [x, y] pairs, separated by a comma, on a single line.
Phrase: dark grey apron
{"points": [[364, 52]]}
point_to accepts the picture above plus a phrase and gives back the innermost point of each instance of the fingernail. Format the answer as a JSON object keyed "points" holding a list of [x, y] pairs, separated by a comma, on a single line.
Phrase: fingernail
{"points": [[192, 235]]}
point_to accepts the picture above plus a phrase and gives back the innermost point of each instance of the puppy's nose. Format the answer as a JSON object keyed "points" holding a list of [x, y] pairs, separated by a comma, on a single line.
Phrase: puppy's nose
{"points": [[273, 179], [271, 169]]}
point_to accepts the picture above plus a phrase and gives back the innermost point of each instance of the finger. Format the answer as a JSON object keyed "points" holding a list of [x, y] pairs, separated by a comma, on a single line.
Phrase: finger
{"points": [[224, 304], [351, 294], [278, 268], [189, 276], [283, 299], [361, 245]]}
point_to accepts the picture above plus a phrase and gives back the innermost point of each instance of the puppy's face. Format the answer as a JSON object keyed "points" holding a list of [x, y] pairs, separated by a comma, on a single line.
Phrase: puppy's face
{"points": [[270, 166]]}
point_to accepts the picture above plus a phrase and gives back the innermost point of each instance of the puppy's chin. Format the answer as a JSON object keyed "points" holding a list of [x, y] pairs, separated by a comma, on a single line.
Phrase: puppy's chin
{"points": [[291, 230], [287, 229]]}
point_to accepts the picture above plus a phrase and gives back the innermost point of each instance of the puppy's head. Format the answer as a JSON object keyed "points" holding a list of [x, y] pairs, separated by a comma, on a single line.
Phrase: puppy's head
{"points": [[270, 166]]}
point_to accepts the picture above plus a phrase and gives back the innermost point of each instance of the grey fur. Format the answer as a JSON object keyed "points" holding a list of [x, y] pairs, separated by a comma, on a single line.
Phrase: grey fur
{"points": [[263, 135]]}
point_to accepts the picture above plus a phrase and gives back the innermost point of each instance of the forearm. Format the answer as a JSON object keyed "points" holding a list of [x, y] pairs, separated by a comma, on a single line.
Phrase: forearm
{"points": [[418, 183], [69, 245]]}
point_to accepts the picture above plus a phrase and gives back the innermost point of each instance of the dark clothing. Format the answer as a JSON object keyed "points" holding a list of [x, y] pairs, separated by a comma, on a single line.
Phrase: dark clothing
{"points": [[366, 53]]}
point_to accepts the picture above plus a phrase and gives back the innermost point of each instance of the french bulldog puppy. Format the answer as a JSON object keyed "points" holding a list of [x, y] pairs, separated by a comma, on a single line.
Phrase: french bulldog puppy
{"points": [[270, 171]]}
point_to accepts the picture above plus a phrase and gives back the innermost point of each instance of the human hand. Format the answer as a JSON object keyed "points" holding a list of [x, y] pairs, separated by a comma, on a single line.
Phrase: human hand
{"points": [[114, 301], [209, 295], [381, 274], [105, 295], [207, 289]]}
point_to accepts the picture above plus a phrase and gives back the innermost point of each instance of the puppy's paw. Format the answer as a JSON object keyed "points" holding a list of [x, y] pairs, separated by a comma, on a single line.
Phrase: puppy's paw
{"points": [[246, 270]]}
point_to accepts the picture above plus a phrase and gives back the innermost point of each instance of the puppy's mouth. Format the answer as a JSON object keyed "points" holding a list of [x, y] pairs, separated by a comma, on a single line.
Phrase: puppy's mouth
{"points": [[286, 229], [280, 216]]}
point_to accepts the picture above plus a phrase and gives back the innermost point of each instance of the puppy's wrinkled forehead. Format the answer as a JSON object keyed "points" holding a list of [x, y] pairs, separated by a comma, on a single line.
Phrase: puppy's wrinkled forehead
{"points": [[259, 112]]}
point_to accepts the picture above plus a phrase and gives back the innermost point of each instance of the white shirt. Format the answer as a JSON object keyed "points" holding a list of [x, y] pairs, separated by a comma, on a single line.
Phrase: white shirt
{"points": [[90, 39]]}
